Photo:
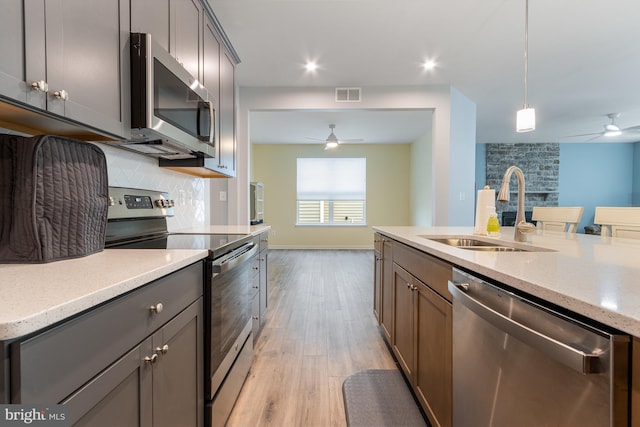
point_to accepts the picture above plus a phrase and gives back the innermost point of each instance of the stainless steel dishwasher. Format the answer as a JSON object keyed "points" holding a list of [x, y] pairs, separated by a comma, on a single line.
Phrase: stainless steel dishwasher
{"points": [[518, 363]]}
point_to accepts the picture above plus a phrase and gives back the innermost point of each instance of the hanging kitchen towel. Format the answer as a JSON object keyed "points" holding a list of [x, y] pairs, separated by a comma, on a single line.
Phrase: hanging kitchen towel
{"points": [[53, 198]]}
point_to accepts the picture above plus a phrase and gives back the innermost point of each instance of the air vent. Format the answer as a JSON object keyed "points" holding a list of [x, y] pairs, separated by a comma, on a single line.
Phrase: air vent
{"points": [[348, 94]]}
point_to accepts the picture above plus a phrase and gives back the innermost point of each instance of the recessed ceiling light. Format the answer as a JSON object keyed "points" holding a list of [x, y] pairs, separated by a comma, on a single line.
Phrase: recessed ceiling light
{"points": [[311, 66], [428, 65]]}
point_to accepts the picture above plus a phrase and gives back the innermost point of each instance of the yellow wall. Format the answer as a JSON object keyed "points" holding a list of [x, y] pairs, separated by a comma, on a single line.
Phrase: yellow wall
{"points": [[388, 193]]}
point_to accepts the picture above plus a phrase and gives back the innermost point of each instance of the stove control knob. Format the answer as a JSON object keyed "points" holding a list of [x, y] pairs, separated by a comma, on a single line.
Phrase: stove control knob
{"points": [[161, 203], [111, 201], [171, 203]]}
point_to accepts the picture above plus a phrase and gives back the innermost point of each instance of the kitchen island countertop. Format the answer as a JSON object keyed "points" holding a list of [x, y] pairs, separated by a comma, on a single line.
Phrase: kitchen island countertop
{"points": [[597, 277], [34, 296]]}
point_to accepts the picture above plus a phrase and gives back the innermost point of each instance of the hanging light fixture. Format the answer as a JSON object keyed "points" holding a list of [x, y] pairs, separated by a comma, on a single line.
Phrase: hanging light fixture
{"points": [[526, 117]]}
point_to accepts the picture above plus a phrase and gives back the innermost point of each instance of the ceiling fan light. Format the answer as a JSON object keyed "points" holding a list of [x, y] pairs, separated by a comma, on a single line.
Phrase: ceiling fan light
{"points": [[613, 133], [612, 128], [330, 145], [526, 120]]}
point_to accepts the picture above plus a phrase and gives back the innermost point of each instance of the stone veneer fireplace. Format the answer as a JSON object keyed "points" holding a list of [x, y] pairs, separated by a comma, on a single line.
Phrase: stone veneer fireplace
{"points": [[540, 163]]}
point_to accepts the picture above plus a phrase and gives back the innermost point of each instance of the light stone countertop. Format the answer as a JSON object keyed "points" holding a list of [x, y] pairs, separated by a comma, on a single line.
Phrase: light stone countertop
{"points": [[597, 277], [33, 296], [225, 229]]}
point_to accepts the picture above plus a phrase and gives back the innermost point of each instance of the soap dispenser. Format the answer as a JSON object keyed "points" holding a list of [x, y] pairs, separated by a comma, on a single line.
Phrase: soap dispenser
{"points": [[493, 227]]}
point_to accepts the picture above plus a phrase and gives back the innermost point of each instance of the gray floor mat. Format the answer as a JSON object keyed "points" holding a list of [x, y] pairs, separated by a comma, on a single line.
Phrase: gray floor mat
{"points": [[379, 397]]}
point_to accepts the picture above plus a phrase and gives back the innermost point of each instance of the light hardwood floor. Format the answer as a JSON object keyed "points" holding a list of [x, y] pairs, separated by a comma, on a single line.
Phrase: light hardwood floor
{"points": [[320, 328]]}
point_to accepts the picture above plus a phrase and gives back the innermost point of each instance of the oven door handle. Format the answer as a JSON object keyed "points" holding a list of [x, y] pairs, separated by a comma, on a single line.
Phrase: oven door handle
{"points": [[235, 261]]}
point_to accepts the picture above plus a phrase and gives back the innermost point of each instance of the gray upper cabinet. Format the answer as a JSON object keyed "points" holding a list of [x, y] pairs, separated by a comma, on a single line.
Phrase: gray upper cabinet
{"points": [[227, 114], [176, 25], [211, 48], [12, 82], [218, 78], [66, 59], [73, 55], [187, 21]]}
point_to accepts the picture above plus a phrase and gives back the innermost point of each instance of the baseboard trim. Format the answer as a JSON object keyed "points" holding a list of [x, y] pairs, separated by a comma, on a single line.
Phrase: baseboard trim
{"points": [[314, 247]]}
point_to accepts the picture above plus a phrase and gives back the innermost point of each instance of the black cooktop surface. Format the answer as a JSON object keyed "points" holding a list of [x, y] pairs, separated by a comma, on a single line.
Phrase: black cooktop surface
{"points": [[213, 242]]}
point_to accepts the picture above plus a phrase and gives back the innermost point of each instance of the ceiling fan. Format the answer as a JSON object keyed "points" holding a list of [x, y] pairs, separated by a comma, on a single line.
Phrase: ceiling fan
{"points": [[332, 141], [611, 129]]}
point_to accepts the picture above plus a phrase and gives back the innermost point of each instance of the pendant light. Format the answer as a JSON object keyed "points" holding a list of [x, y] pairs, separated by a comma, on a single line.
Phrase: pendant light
{"points": [[526, 117]]}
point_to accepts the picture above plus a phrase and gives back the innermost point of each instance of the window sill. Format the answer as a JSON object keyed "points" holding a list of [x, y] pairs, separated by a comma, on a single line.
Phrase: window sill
{"points": [[331, 225]]}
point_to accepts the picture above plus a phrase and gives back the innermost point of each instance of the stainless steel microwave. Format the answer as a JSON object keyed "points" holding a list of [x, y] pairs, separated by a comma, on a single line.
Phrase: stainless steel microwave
{"points": [[171, 114]]}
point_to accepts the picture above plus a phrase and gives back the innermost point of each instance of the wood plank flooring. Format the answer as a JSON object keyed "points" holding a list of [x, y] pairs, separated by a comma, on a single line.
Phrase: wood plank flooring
{"points": [[320, 328]]}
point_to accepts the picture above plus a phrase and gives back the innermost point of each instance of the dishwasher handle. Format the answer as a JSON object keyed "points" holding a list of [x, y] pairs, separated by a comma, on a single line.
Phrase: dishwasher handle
{"points": [[585, 363]]}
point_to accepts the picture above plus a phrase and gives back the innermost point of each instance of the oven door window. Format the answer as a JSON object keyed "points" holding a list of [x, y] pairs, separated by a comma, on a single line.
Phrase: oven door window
{"points": [[231, 295]]}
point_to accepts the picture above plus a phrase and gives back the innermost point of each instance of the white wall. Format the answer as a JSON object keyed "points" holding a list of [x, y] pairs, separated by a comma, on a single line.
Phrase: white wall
{"points": [[127, 169], [462, 160], [421, 181], [437, 98]]}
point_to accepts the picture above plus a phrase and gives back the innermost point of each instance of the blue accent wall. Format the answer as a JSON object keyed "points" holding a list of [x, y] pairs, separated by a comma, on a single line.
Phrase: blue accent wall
{"points": [[595, 175], [591, 174]]}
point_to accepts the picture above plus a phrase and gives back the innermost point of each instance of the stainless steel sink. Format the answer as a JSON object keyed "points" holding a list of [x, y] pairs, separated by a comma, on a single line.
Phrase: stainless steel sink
{"points": [[473, 244]]}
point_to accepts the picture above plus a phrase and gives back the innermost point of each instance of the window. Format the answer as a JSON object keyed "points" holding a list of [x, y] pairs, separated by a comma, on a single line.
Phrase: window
{"points": [[331, 191]]}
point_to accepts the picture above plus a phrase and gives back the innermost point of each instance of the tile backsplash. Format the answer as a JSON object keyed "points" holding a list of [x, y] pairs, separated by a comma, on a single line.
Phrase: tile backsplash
{"points": [[191, 194]]}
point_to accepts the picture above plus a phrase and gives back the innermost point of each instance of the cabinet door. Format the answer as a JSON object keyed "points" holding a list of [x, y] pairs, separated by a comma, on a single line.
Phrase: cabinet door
{"points": [[85, 61], [12, 73], [377, 278], [387, 289], [433, 372], [186, 26], [211, 75], [119, 396], [227, 114], [152, 17], [178, 383], [403, 324], [264, 286]]}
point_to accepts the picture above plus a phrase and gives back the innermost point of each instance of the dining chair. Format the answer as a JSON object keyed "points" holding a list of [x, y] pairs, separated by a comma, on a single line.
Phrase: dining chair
{"points": [[558, 218], [619, 221]]}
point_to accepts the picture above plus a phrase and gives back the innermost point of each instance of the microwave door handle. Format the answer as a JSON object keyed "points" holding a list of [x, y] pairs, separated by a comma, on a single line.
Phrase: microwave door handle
{"points": [[212, 125]]}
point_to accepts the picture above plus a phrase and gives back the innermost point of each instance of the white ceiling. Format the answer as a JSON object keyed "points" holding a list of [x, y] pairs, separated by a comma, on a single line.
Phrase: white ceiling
{"points": [[584, 62]]}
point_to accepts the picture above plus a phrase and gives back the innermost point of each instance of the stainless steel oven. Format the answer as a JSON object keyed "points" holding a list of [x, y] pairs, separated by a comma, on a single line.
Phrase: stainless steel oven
{"points": [[137, 220], [234, 285]]}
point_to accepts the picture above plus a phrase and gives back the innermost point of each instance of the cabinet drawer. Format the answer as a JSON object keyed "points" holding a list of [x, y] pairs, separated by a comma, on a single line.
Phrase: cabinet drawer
{"points": [[430, 270], [52, 364], [377, 242]]}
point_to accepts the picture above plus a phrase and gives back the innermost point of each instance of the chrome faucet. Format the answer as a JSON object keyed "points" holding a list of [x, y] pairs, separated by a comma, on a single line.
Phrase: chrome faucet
{"points": [[522, 227]]}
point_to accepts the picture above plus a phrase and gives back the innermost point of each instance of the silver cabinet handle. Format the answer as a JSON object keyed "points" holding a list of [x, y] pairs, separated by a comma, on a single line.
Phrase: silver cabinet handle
{"points": [[586, 363], [41, 86], [156, 308], [61, 94], [151, 359], [162, 350], [212, 124]]}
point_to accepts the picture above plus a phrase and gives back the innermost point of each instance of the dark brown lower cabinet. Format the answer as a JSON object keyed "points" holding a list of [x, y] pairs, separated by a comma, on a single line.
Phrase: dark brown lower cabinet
{"points": [[422, 330], [386, 289]]}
